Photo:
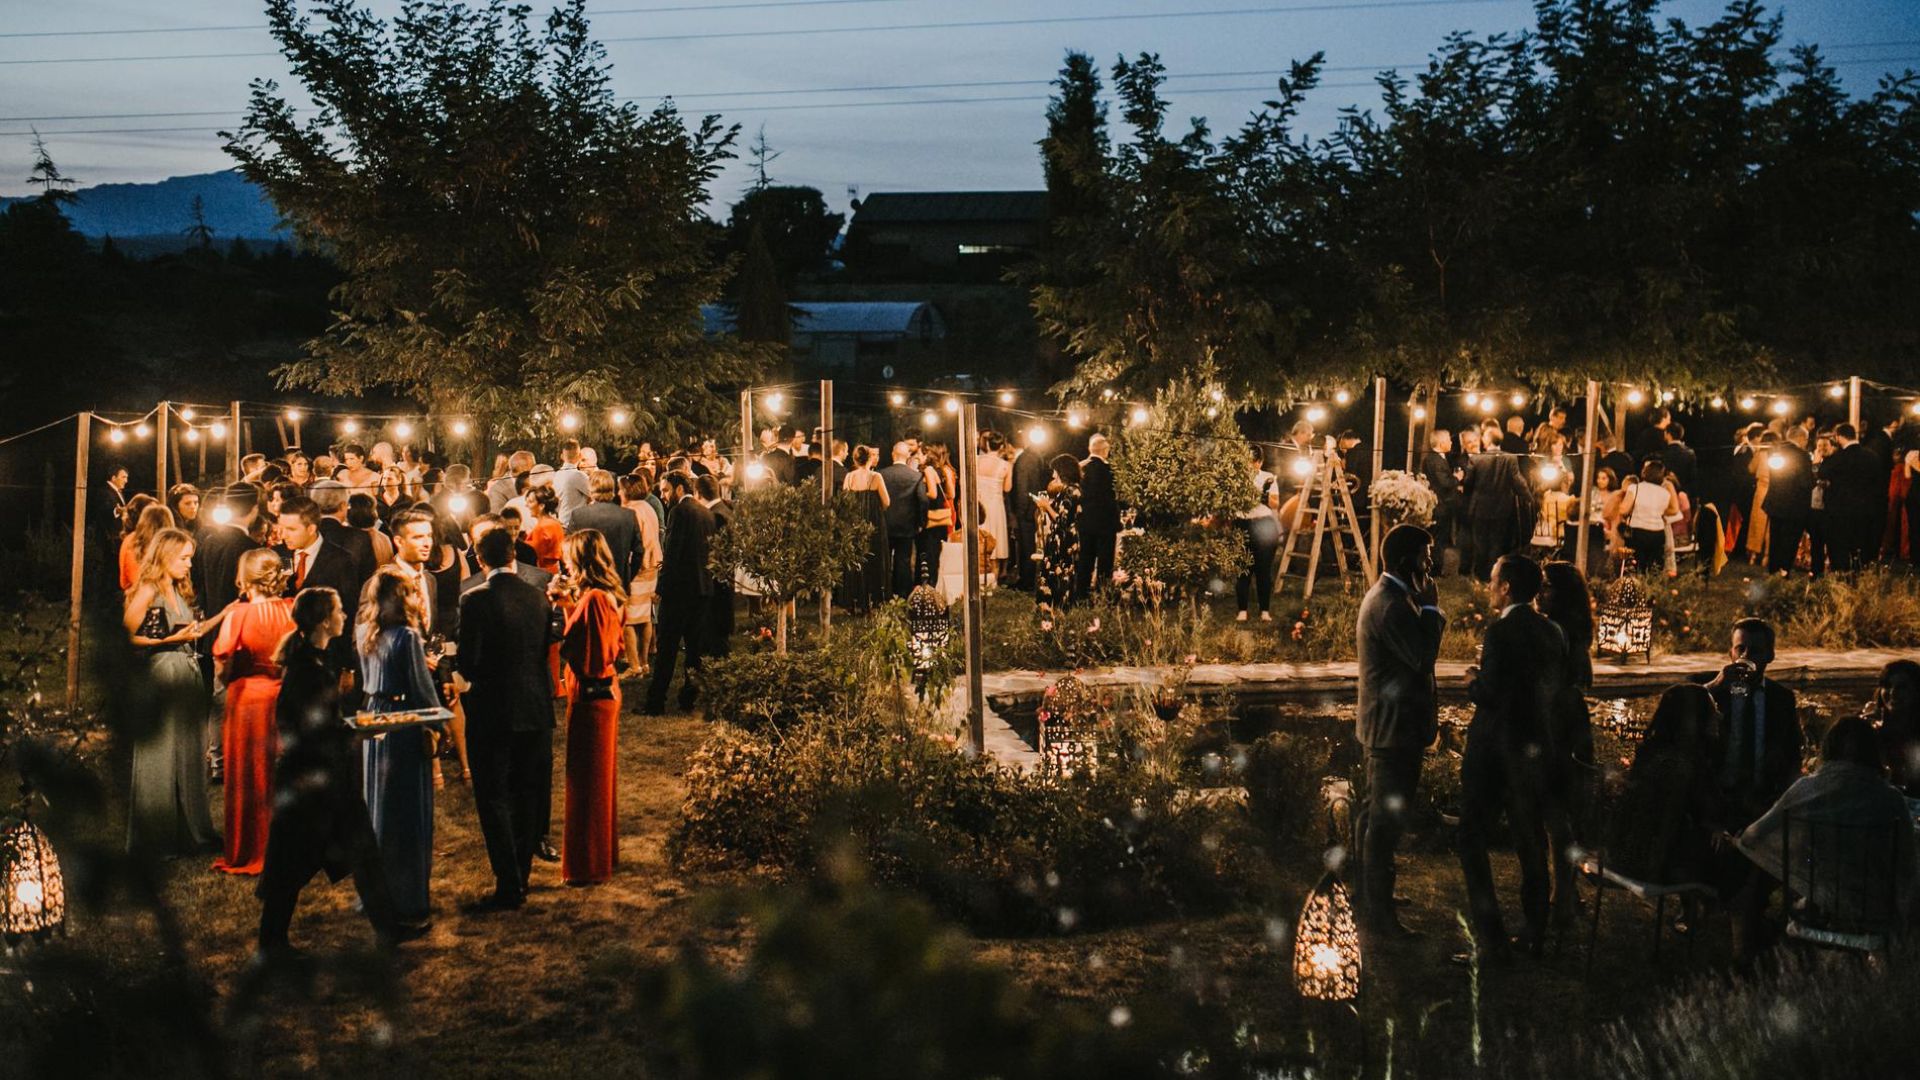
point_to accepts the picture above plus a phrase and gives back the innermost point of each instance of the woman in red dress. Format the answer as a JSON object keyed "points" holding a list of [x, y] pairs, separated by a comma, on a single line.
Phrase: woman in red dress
{"points": [[249, 640], [592, 644]]}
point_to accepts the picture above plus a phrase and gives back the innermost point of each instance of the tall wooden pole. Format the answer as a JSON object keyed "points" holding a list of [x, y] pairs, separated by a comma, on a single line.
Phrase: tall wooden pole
{"points": [[1853, 403], [83, 442], [1379, 459], [1619, 418], [970, 575], [1580, 542], [746, 439], [1413, 431], [233, 442], [826, 484], [162, 430]]}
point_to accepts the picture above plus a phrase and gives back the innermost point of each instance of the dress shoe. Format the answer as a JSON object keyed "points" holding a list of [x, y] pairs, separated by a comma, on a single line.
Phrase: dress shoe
{"points": [[495, 902], [545, 852]]}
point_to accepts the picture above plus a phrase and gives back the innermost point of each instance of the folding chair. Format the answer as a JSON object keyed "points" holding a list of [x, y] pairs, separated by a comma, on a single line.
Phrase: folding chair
{"points": [[1592, 866], [1843, 893]]}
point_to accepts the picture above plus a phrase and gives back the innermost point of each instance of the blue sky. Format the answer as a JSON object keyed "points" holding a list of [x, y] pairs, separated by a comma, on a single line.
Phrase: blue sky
{"points": [[779, 81]]}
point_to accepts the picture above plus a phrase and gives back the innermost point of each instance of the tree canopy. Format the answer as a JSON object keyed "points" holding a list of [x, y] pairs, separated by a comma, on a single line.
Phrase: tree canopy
{"points": [[514, 238]]}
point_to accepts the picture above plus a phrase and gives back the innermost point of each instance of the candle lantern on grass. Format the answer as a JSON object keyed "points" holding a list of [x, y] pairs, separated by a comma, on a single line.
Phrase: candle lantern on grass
{"points": [[928, 629], [1624, 625], [31, 887], [1326, 945], [1069, 718]]}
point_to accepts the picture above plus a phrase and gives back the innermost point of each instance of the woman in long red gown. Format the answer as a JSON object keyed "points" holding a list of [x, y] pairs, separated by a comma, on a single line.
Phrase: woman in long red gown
{"points": [[244, 651], [592, 644]]}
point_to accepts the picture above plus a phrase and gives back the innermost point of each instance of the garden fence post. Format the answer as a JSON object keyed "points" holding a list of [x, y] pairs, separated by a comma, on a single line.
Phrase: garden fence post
{"points": [[970, 574], [1581, 540], [83, 441], [233, 443], [1619, 417], [1853, 403], [1379, 460], [826, 484], [746, 439], [162, 431]]}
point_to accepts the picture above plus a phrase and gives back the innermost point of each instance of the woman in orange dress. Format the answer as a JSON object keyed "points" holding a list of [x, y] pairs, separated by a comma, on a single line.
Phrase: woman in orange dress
{"points": [[249, 640], [145, 518], [592, 645], [546, 535]]}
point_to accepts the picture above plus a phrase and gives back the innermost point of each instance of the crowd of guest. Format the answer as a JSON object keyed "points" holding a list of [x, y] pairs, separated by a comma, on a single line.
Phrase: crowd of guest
{"points": [[1715, 795]]}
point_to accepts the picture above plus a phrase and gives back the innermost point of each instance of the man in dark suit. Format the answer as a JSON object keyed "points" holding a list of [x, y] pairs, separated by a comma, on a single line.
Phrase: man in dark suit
{"points": [[1681, 462], [1516, 691], [615, 522], [906, 509], [312, 562], [1436, 465], [1498, 510], [505, 628], [778, 459], [1789, 500], [1611, 456], [216, 565], [1030, 475], [111, 510], [525, 571], [331, 497], [1398, 633], [716, 633], [685, 591], [1650, 442], [1514, 439], [1856, 500], [1099, 520]]}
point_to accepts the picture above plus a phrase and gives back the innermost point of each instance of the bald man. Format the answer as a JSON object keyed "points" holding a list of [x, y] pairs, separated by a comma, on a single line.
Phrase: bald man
{"points": [[1099, 520]]}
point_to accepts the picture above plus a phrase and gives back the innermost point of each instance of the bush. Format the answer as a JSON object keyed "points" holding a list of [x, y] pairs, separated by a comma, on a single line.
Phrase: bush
{"points": [[758, 689], [1284, 773]]}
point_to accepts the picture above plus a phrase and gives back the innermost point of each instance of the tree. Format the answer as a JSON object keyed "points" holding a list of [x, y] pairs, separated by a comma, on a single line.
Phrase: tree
{"points": [[200, 233], [793, 222], [791, 543], [759, 156], [760, 304], [515, 240], [1184, 472]]}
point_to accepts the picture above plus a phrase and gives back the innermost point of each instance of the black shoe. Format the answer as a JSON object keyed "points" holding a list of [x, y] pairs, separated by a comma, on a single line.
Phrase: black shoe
{"points": [[545, 852], [403, 933], [495, 902]]}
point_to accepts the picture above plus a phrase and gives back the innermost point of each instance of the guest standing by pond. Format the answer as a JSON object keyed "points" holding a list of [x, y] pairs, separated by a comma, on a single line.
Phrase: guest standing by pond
{"points": [[397, 776], [1567, 602], [1398, 642], [865, 587], [591, 646], [1060, 550], [167, 810], [244, 651]]}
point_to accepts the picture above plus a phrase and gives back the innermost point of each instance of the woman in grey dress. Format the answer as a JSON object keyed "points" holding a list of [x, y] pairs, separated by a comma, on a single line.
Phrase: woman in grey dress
{"points": [[167, 802]]}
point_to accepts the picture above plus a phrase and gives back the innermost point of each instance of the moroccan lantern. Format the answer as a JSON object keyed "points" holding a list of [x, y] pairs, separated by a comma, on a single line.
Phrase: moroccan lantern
{"points": [[31, 888], [1624, 625], [1069, 717], [1326, 945], [928, 628]]}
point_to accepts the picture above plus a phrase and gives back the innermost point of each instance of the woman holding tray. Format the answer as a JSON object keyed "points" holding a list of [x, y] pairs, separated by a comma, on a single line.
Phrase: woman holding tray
{"points": [[591, 645], [397, 765]]}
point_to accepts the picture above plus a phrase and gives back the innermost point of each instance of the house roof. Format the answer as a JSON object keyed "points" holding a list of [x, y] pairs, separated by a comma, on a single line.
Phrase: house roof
{"points": [[912, 318], [886, 208]]}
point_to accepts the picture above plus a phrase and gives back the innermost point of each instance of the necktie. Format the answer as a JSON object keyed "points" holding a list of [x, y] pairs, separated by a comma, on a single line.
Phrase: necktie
{"points": [[299, 569]]}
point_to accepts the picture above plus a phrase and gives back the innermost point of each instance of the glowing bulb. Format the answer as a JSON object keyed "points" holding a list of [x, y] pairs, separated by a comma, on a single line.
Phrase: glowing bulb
{"points": [[1836, 391], [1419, 412], [218, 429], [896, 399], [1776, 461], [186, 412], [1666, 396], [1316, 414], [1717, 402], [929, 418], [142, 430], [1781, 407], [29, 895], [952, 405], [1635, 397], [1325, 959], [221, 514], [349, 427], [1341, 397], [619, 418], [193, 434], [1518, 399], [458, 503], [1075, 419], [1037, 436], [1217, 395], [1487, 404], [1914, 408], [1549, 474], [460, 428], [1747, 403], [756, 470], [1302, 467], [1473, 398], [569, 421], [776, 401], [402, 430], [293, 416], [1138, 415], [1006, 397], [1212, 411], [115, 435], [1107, 394]]}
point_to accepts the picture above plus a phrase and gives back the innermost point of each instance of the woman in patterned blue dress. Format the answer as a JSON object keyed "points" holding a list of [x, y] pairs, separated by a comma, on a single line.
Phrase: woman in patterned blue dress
{"points": [[397, 765]]}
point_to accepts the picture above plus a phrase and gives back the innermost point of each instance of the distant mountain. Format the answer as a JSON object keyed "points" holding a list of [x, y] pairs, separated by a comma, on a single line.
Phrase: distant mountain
{"points": [[151, 212]]}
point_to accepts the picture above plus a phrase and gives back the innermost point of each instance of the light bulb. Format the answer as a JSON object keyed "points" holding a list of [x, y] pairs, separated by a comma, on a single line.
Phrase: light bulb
{"points": [[1419, 412], [1776, 461], [1781, 407], [460, 428], [186, 412], [1037, 436], [952, 405], [142, 430], [929, 418], [1836, 391], [1914, 408], [1213, 411], [1107, 394], [1635, 396], [1006, 397], [293, 416], [1138, 415], [1316, 414], [1217, 394], [219, 429], [619, 417], [776, 401], [1747, 403], [1518, 399], [350, 427], [1075, 419], [569, 421], [221, 514], [1341, 397], [1717, 402], [1487, 404], [1666, 396], [458, 504], [402, 430], [1302, 466], [896, 399], [1549, 474], [115, 435], [756, 470], [193, 434]]}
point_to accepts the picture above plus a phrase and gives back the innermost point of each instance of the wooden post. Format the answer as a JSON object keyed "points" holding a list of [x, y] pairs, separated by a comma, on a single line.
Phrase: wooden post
{"points": [[1581, 542], [970, 592], [746, 439], [1413, 432], [826, 484], [1853, 403], [201, 476], [83, 442], [233, 442], [1620, 417], [1379, 458], [161, 430]]}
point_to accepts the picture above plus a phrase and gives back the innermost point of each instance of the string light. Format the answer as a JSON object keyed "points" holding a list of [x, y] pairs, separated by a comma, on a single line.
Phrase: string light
{"points": [[1666, 396], [929, 418], [1776, 461], [115, 435], [1518, 399], [1106, 394], [457, 504], [619, 418], [293, 416], [1037, 436], [1781, 407], [186, 412], [1075, 418], [569, 421], [1837, 391], [221, 514], [1316, 414], [776, 401], [460, 429], [193, 434], [1487, 404], [896, 399], [1419, 412], [142, 430], [1342, 397], [1138, 415], [1212, 411], [1302, 467], [219, 429], [1635, 397], [1218, 395], [350, 426], [952, 405], [402, 430], [1473, 398], [1006, 397], [1549, 474], [1747, 403], [756, 470], [1914, 408], [1717, 402]]}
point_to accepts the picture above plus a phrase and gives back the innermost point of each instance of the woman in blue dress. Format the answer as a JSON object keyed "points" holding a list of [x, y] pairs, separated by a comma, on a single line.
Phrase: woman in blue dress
{"points": [[397, 765]]}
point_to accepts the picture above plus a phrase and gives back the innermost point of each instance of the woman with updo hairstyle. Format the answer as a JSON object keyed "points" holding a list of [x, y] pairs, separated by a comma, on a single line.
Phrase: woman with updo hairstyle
{"points": [[245, 649], [184, 500], [544, 530]]}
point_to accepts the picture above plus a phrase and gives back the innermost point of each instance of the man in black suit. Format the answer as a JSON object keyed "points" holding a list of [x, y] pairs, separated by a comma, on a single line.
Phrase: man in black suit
{"points": [[1856, 500], [331, 497], [1516, 691], [906, 509], [111, 510], [216, 565], [1607, 447], [1789, 500], [615, 522], [1514, 439], [685, 591], [505, 628], [1436, 465], [1030, 475], [1650, 442], [1099, 520], [777, 459], [525, 571], [1499, 506], [1398, 634], [1681, 462], [312, 562], [716, 633]]}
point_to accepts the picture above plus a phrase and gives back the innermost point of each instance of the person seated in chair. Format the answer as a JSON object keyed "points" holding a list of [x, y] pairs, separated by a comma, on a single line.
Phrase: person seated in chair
{"points": [[1662, 829]]}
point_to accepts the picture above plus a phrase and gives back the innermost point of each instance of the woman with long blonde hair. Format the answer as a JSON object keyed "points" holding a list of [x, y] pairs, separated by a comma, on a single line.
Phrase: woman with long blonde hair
{"points": [[150, 519], [245, 652], [396, 767], [591, 645], [167, 801]]}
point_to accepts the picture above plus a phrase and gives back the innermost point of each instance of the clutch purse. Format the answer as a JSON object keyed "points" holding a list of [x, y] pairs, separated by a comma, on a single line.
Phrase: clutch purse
{"points": [[155, 626]]}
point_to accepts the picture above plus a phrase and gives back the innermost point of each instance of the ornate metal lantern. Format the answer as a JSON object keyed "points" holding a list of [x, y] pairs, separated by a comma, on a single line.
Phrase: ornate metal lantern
{"points": [[1624, 625], [1069, 717], [1326, 945], [928, 628], [31, 887]]}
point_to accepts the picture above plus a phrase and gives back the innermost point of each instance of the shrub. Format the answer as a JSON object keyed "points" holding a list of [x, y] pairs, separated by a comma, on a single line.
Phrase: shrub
{"points": [[738, 799], [791, 543], [755, 689], [1284, 773]]}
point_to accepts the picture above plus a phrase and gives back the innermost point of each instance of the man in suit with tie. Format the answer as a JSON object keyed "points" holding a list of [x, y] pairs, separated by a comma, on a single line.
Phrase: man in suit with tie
{"points": [[1499, 502], [1030, 475], [331, 497], [1517, 691], [413, 541], [312, 562], [615, 522], [1398, 634], [906, 509], [685, 590], [1099, 520], [505, 628]]}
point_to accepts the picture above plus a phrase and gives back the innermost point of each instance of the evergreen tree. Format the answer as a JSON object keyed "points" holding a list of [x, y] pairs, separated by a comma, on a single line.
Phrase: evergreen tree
{"points": [[795, 225], [760, 305]]}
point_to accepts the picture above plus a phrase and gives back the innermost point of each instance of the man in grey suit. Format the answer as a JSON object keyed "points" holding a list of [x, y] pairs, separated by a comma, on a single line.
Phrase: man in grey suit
{"points": [[906, 512], [615, 522], [1399, 631]]}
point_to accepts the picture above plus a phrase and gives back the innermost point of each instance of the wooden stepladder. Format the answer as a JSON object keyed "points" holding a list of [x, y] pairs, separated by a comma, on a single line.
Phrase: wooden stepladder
{"points": [[1332, 502]]}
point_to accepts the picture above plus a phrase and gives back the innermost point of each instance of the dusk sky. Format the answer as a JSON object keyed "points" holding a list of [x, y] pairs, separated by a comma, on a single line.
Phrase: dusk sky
{"points": [[850, 92]]}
